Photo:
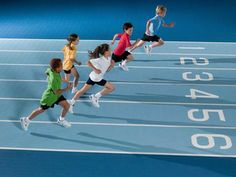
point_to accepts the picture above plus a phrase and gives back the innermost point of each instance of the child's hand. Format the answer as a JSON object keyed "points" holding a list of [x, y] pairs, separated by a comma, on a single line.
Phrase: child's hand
{"points": [[97, 71], [172, 24], [111, 65], [148, 32], [112, 42], [79, 63]]}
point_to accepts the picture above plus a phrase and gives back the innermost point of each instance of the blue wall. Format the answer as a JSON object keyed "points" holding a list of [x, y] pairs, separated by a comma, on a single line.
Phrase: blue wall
{"points": [[203, 20]]}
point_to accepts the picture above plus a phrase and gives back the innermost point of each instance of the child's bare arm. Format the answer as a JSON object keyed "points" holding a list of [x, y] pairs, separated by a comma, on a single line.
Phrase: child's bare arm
{"points": [[78, 62], [98, 71], [75, 61], [147, 27], [111, 65], [171, 25], [137, 41], [114, 38], [60, 91]]}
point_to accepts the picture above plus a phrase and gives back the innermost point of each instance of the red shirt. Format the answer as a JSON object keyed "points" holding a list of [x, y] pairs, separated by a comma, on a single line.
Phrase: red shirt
{"points": [[123, 44]]}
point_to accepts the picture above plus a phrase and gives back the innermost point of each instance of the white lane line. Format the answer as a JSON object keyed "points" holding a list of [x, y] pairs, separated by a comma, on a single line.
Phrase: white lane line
{"points": [[192, 48], [134, 67], [118, 152], [127, 83], [128, 125], [102, 40], [25, 64], [132, 102], [137, 53]]}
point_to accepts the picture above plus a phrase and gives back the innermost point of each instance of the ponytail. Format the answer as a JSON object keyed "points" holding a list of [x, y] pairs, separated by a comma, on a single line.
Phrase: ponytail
{"points": [[100, 50]]}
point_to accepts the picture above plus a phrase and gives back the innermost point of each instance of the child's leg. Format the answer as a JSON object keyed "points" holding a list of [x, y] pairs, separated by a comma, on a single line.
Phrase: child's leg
{"points": [[67, 77], [25, 121], [138, 44], [65, 107], [108, 88], [82, 91], [35, 113], [129, 58], [156, 44], [76, 77]]}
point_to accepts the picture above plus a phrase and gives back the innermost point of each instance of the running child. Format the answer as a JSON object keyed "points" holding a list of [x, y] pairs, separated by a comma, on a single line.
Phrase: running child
{"points": [[51, 96], [100, 63], [70, 51], [152, 30], [120, 54]]}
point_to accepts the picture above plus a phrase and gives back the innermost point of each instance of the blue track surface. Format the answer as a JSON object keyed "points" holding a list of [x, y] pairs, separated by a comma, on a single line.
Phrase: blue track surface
{"points": [[142, 129]]}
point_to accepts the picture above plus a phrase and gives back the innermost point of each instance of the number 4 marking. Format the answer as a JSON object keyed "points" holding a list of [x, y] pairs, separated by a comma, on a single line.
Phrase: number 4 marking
{"points": [[201, 94]]}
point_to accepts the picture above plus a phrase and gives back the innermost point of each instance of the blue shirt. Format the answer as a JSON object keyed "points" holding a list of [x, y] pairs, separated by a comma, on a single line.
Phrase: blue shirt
{"points": [[155, 25]]}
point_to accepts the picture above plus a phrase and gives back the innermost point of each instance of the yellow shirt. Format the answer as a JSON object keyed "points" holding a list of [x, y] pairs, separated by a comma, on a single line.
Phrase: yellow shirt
{"points": [[69, 56]]}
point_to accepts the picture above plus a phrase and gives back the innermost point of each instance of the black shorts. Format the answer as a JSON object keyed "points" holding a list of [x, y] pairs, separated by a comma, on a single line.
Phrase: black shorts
{"points": [[61, 98], [68, 71], [117, 58], [147, 38], [101, 83]]}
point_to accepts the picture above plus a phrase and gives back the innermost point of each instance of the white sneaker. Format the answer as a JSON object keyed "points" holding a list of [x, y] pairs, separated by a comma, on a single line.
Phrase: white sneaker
{"points": [[64, 123], [74, 90], [94, 101], [71, 107], [124, 67], [24, 123], [147, 49]]}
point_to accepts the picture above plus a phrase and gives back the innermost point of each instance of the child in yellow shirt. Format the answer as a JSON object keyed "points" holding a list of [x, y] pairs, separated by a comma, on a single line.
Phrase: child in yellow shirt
{"points": [[70, 52]]}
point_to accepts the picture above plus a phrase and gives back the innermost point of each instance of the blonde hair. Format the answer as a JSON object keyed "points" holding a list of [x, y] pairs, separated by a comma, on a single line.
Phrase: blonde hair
{"points": [[161, 7]]}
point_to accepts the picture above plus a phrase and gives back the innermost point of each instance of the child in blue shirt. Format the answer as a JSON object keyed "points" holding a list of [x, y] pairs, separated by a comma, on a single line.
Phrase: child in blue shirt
{"points": [[152, 30]]}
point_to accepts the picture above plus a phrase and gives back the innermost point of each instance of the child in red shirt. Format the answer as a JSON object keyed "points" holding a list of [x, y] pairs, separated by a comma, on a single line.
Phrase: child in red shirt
{"points": [[120, 54]]}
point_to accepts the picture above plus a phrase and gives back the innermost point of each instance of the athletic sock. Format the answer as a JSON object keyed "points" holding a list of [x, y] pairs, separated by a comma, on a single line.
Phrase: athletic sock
{"points": [[124, 62], [27, 120], [72, 101], [62, 118], [98, 95]]}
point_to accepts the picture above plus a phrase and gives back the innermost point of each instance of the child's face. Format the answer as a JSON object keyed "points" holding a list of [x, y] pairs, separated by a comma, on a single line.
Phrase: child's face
{"points": [[59, 69], [129, 31], [108, 53], [76, 42], [161, 13]]}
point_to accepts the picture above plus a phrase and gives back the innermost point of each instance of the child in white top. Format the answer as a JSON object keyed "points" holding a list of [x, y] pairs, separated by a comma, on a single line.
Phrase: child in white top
{"points": [[100, 62]]}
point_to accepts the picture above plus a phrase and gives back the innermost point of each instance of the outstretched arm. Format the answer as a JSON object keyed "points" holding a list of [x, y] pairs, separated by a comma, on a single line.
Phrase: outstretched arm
{"points": [[171, 25], [114, 38], [60, 91]]}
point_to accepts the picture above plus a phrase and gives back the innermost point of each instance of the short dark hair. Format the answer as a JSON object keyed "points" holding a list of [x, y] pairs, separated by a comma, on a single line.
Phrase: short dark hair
{"points": [[55, 63], [127, 26], [72, 37]]}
